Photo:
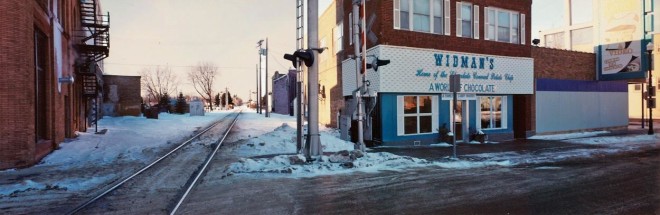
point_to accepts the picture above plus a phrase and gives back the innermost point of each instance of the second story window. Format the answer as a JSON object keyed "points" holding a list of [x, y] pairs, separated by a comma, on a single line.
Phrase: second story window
{"points": [[339, 35], [422, 15], [467, 22], [504, 26]]}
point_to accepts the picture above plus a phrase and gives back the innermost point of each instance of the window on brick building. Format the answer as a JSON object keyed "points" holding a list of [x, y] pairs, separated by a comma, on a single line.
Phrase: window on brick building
{"points": [[339, 36], [504, 25], [467, 20], [41, 84], [421, 15]]}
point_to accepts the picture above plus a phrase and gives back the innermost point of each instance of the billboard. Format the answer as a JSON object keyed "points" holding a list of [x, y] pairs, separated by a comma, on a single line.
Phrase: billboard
{"points": [[621, 30]]}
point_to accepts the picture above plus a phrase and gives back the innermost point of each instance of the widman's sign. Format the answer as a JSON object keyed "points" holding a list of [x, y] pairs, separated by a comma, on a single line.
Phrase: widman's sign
{"points": [[415, 70]]}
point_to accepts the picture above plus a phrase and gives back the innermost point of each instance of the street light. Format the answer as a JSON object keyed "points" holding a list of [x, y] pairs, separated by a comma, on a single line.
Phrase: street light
{"points": [[651, 90]]}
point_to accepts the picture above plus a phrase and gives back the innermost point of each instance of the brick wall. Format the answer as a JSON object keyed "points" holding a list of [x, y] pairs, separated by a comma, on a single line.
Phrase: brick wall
{"points": [[563, 64], [383, 27], [128, 89], [18, 21], [17, 145]]}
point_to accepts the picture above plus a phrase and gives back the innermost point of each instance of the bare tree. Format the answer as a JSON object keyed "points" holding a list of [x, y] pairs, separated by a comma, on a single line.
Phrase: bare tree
{"points": [[202, 76], [158, 81]]}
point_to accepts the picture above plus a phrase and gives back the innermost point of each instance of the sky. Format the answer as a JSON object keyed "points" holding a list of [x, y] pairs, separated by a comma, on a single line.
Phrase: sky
{"points": [[180, 34]]}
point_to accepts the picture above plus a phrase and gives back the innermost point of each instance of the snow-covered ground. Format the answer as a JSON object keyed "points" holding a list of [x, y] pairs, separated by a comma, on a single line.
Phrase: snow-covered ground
{"points": [[266, 147], [127, 138]]}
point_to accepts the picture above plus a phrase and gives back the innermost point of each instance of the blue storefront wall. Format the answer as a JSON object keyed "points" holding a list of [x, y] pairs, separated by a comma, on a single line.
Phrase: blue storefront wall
{"points": [[389, 119]]}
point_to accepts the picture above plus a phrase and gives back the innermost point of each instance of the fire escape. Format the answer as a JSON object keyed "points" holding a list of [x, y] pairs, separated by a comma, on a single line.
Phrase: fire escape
{"points": [[93, 45]]}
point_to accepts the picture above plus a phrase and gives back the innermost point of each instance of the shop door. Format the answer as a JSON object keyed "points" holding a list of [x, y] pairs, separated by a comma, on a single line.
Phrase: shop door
{"points": [[462, 116], [458, 112]]}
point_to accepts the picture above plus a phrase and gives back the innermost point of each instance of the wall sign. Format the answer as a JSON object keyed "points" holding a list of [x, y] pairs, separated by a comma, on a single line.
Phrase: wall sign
{"points": [[415, 70], [620, 53]]}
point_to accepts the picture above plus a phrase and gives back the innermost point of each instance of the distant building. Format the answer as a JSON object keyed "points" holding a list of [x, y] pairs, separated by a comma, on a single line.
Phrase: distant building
{"points": [[332, 34], [284, 92], [617, 33], [578, 33], [47, 44], [122, 96]]}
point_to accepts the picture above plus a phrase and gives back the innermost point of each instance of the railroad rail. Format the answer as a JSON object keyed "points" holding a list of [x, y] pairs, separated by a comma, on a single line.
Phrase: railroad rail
{"points": [[217, 143]]}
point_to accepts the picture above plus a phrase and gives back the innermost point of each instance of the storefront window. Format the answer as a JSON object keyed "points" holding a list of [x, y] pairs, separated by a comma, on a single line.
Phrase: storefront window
{"points": [[492, 110], [418, 117]]}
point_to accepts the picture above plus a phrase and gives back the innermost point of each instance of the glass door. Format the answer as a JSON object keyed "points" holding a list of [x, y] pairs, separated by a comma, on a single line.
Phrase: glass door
{"points": [[458, 112]]}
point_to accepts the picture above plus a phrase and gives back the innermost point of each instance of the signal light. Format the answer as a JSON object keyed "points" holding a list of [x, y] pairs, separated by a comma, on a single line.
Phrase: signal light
{"points": [[305, 55], [376, 63]]}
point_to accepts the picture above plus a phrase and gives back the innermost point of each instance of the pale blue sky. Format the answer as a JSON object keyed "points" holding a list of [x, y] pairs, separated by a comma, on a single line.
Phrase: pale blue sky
{"points": [[181, 33], [546, 14]]}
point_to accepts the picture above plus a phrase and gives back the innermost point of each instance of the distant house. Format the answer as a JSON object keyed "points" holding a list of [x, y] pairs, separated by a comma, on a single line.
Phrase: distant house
{"points": [[284, 92]]}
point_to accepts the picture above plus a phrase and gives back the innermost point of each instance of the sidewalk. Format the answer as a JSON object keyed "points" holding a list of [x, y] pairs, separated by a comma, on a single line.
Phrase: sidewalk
{"points": [[525, 147]]}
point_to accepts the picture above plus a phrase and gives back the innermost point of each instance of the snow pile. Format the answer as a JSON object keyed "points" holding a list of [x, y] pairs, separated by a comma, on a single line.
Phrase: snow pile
{"points": [[617, 140], [69, 184], [371, 162], [127, 138], [568, 135], [282, 140]]}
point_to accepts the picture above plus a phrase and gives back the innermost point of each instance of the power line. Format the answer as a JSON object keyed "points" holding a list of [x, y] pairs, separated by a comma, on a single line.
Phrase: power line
{"points": [[168, 65]]}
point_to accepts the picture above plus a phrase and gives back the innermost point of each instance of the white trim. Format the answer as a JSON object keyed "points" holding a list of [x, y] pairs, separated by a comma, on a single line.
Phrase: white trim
{"points": [[475, 22], [434, 114], [400, 127], [459, 20], [447, 13], [338, 37], [401, 115], [503, 112], [505, 108], [523, 33], [397, 18], [486, 24]]}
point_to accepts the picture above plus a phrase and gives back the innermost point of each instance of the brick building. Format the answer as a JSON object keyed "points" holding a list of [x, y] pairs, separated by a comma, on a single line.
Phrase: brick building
{"points": [[284, 92], [331, 35], [121, 95], [408, 101], [569, 98], [44, 45]]}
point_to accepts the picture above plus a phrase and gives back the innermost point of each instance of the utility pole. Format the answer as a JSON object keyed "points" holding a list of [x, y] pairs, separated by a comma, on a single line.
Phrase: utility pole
{"points": [[226, 99], [261, 91], [360, 66], [313, 79], [257, 77], [265, 52]]}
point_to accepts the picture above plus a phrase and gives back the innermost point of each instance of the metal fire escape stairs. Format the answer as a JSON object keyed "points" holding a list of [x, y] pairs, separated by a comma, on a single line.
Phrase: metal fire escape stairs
{"points": [[93, 45]]}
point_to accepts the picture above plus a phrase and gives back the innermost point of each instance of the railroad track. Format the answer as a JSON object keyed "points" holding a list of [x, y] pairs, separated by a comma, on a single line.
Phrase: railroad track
{"points": [[177, 158]]}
